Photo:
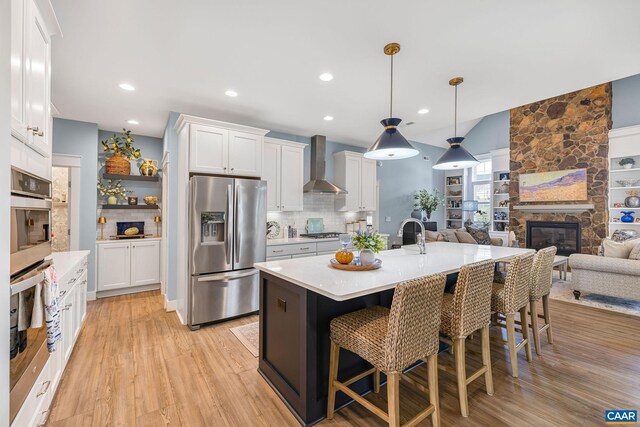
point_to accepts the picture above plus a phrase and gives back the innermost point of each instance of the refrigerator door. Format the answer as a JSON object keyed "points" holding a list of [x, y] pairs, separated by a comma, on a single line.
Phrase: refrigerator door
{"points": [[224, 295], [250, 210], [211, 226]]}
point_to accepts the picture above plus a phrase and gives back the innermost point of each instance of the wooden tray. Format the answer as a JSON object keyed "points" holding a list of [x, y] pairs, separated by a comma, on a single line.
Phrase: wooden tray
{"points": [[126, 236], [355, 267]]}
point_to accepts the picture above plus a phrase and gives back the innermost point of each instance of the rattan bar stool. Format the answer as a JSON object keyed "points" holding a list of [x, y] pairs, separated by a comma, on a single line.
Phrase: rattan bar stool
{"points": [[511, 297], [392, 340], [466, 311], [541, 279]]}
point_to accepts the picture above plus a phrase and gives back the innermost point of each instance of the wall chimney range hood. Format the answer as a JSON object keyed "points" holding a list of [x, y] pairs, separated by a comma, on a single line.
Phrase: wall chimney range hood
{"points": [[318, 183]]}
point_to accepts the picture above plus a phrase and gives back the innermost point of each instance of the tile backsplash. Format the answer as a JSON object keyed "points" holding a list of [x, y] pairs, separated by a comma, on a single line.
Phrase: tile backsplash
{"points": [[113, 216], [316, 206]]}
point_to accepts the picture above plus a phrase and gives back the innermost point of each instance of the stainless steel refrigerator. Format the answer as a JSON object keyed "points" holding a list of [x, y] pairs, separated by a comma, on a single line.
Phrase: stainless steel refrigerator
{"points": [[228, 218]]}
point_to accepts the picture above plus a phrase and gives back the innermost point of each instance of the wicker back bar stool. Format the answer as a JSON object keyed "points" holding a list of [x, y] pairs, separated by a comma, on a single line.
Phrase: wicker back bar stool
{"points": [[463, 313], [392, 340], [540, 287], [512, 297]]}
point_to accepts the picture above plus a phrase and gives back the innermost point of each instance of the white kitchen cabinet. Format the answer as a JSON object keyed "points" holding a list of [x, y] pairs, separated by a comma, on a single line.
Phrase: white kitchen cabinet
{"points": [[114, 266], [220, 148], [128, 264], [68, 323], [145, 270], [283, 169], [31, 75], [358, 176], [245, 154]]}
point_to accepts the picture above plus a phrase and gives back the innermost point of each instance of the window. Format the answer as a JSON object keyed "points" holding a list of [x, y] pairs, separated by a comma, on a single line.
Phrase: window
{"points": [[481, 189]]}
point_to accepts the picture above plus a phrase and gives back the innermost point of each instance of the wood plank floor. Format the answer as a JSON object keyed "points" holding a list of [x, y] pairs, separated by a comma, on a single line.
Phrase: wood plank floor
{"points": [[134, 364]]}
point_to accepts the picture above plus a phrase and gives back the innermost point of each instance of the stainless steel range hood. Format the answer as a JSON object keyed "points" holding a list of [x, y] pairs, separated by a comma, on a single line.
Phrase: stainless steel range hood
{"points": [[318, 183]]}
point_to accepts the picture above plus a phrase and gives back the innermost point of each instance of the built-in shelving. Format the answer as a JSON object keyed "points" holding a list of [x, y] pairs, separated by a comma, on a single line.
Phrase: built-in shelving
{"points": [[623, 143], [130, 207], [112, 176], [499, 214], [454, 182]]}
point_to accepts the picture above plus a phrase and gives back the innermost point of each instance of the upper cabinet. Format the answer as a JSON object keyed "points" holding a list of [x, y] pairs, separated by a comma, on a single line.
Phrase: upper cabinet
{"points": [[357, 175], [283, 169], [32, 25], [220, 148]]}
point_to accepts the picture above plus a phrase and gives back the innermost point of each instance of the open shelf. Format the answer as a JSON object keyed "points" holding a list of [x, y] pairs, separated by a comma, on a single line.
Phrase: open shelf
{"points": [[624, 170], [624, 223], [130, 207], [625, 188], [131, 177]]}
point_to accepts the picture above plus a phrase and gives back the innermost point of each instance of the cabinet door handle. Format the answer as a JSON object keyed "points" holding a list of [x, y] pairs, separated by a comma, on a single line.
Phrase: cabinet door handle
{"points": [[224, 169], [44, 416], [232, 169], [46, 385], [39, 133], [277, 252], [304, 249], [33, 129]]}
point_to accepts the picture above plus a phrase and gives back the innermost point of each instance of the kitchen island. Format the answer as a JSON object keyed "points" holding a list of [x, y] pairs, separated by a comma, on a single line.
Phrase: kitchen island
{"points": [[299, 297]]}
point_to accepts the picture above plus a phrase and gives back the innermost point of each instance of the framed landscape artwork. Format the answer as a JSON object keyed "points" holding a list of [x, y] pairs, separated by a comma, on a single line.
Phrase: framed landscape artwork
{"points": [[556, 186]]}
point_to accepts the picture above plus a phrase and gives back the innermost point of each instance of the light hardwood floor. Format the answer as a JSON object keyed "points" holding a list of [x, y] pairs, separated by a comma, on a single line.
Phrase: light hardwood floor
{"points": [[134, 364]]}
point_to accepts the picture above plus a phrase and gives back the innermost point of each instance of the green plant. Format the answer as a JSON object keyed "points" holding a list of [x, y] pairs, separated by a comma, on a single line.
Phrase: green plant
{"points": [[112, 189], [428, 201], [121, 145], [368, 240], [627, 161]]}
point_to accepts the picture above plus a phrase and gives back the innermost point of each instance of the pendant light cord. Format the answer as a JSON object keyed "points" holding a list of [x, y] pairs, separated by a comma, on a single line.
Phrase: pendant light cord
{"points": [[455, 112], [391, 94]]}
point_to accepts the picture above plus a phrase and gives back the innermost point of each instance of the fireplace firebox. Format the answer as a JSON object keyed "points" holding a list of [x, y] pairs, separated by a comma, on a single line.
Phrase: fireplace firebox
{"points": [[566, 236]]}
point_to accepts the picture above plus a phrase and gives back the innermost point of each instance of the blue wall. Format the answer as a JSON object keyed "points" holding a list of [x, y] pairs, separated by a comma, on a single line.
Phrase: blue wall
{"points": [[170, 146], [150, 148], [81, 139], [491, 133], [626, 102]]}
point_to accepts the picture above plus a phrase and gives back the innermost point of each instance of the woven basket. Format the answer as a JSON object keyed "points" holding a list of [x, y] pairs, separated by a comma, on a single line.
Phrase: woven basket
{"points": [[118, 165]]}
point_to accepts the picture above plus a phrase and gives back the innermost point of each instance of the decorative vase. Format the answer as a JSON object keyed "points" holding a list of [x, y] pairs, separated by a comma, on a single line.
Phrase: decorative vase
{"points": [[427, 215], [117, 165], [148, 167], [367, 257], [112, 200], [416, 213], [633, 201], [504, 188], [627, 165], [627, 216]]}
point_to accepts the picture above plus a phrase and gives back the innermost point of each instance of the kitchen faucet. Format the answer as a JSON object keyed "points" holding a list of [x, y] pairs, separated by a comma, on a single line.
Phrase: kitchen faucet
{"points": [[420, 238]]}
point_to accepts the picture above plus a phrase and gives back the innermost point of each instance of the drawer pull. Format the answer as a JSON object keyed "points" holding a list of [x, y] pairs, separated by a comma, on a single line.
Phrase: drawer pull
{"points": [[46, 385], [73, 280], [282, 304], [63, 293], [277, 252], [304, 249]]}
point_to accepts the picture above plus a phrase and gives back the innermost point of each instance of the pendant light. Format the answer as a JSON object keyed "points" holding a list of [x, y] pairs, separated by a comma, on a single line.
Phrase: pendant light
{"points": [[391, 145], [456, 157]]}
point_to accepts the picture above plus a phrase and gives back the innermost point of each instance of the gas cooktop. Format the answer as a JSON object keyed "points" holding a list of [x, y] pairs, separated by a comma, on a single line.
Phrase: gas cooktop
{"points": [[325, 235]]}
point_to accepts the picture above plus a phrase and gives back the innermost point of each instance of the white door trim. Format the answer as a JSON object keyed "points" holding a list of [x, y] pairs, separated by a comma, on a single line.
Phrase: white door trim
{"points": [[164, 250], [74, 164]]}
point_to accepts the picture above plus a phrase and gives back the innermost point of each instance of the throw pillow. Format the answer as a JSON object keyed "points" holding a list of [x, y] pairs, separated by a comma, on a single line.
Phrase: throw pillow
{"points": [[481, 235], [622, 235], [449, 235], [635, 252], [617, 249], [431, 236], [465, 237]]}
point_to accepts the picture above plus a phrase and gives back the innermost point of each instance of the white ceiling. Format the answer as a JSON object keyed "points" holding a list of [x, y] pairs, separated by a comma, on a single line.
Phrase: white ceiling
{"points": [[183, 56]]}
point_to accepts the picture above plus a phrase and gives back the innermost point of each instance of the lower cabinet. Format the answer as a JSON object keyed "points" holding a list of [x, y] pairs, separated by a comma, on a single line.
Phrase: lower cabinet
{"points": [[302, 250], [72, 286], [124, 265]]}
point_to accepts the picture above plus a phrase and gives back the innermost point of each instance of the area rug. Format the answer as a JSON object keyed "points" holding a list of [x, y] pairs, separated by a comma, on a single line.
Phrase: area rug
{"points": [[562, 291], [249, 336]]}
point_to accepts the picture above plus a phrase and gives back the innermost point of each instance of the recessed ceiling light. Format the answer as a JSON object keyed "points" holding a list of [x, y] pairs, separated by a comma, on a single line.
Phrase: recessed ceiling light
{"points": [[423, 111], [127, 86], [328, 118], [326, 77], [133, 122], [231, 93]]}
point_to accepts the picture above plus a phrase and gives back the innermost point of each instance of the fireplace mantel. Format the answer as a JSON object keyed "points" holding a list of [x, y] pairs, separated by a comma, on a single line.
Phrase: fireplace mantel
{"points": [[555, 208]]}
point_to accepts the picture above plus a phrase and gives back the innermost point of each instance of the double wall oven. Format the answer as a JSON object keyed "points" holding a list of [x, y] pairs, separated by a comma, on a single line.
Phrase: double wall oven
{"points": [[30, 246]]}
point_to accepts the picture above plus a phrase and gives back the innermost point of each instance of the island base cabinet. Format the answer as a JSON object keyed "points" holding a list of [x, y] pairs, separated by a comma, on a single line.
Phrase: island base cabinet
{"points": [[294, 345]]}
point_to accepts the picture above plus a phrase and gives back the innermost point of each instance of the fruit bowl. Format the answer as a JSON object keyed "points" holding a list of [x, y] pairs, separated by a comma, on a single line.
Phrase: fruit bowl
{"points": [[151, 200]]}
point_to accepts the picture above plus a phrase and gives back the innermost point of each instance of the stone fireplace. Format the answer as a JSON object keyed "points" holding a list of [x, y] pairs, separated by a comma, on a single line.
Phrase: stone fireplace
{"points": [[570, 131], [566, 236]]}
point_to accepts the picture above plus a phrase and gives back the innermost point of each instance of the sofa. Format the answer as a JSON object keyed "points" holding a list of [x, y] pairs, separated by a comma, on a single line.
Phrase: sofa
{"points": [[460, 235], [605, 275]]}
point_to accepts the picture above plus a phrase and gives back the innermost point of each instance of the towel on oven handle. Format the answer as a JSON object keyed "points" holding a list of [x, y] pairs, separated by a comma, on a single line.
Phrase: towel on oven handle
{"points": [[52, 310]]}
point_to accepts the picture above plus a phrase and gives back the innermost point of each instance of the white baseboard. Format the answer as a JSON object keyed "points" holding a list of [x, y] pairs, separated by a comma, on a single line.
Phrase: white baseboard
{"points": [[91, 295], [170, 305], [126, 291], [180, 317]]}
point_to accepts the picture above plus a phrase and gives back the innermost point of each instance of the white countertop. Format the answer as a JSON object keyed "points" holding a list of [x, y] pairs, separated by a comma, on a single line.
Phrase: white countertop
{"points": [[398, 265], [65, 261], [99, 242], [293, 241]]}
